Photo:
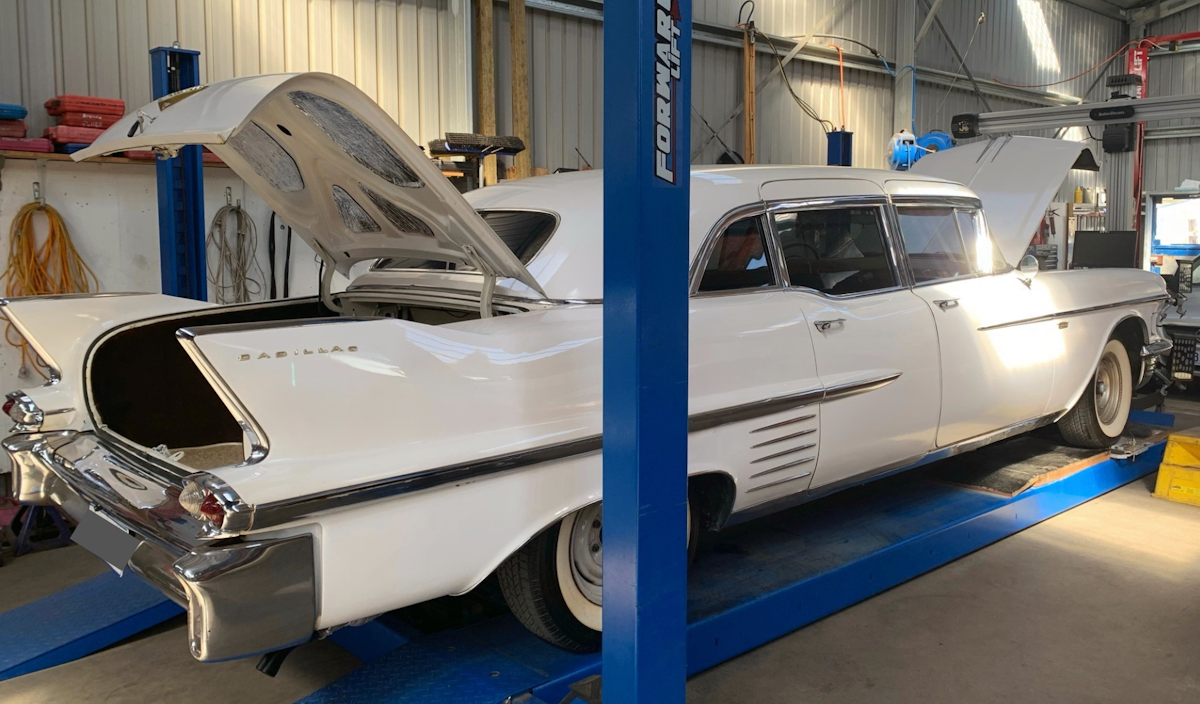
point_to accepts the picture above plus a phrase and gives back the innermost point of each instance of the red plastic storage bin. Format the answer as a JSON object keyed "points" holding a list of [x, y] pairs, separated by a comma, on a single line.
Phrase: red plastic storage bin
{"points": [[13, 128], [31, 144], [64, 134], [85, 103], [88, 119]]}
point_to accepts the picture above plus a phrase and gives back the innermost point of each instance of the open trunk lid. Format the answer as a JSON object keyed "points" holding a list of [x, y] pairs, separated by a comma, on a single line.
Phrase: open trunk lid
{"points": [[1015, 177], [331, 162]]}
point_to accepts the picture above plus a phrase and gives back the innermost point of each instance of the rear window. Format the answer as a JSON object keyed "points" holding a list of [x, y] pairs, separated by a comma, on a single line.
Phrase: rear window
{"points": [[525, 232]]}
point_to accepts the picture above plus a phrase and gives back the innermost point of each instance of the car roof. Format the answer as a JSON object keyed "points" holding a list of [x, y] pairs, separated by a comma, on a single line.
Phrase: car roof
{"points": [[569, 267]]}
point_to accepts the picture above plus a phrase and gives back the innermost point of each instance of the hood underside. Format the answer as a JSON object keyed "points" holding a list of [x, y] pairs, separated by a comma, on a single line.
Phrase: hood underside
{"points": [[331, 162], [1014, 177]]}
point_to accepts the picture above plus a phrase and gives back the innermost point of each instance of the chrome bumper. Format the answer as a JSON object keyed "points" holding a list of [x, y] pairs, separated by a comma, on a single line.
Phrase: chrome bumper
{"points": [[243, 598]]}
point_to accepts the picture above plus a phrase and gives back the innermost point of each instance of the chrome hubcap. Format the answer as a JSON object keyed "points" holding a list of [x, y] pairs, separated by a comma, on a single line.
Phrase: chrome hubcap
{"points": [[1108, 389], [587, 553]]}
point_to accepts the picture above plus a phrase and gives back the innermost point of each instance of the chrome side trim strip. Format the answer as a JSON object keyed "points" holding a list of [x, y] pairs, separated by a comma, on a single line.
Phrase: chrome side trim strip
{"points": [[777, 482], [802, 433], [755, 409], [782, 467], [792, 451], [284, 511], [772, 426], [1077, 311], [853, 388], [279, 512]]}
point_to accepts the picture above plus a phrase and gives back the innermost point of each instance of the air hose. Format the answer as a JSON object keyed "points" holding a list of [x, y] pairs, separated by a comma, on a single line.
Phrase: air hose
{"points": [[54, 267]]}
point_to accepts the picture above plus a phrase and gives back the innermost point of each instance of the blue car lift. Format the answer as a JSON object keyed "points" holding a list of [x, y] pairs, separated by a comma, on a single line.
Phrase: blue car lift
{"points": [[180, 186]]}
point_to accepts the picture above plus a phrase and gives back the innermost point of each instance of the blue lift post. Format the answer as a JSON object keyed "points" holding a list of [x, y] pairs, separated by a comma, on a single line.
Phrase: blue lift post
{"points": [[180, 187], [647, 175]]}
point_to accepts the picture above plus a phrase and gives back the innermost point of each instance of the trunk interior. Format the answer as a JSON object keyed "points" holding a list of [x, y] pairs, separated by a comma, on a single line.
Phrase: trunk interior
{"points": [[145, 388]]}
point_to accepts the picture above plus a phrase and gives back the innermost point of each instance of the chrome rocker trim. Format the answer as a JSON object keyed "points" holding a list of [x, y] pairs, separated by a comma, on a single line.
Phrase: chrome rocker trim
{"points": [[243, 598]]}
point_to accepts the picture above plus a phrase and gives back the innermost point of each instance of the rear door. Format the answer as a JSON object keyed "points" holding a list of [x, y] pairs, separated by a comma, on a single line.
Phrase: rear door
{"points": [[874, 340]]}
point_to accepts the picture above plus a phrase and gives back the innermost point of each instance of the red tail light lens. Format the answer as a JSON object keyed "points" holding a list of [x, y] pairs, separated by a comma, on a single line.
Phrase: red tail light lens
{"points": [[211, 509], [8, 405]]}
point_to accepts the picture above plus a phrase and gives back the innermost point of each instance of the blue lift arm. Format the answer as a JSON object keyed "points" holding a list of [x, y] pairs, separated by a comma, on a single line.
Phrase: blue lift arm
{"points": [[180, 187], [647, 174]]}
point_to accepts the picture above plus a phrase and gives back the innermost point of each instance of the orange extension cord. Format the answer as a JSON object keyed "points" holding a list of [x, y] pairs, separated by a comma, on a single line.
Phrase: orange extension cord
{"points": [[53, 267]]}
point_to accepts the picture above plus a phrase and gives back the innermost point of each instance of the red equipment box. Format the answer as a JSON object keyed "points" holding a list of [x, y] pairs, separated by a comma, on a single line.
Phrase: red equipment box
{"points": [[85, 103], [31, 144], [88, 119], [65, 134], [13, 128]]}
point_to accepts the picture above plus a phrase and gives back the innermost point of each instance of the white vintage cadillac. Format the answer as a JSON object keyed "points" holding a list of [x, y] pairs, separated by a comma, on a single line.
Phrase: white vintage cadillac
{"points": [[290, 467]]}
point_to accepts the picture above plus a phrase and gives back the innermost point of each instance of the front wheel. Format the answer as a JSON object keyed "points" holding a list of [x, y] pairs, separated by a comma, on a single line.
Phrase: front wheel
{"points": [[554, 584], [1099, 417]]}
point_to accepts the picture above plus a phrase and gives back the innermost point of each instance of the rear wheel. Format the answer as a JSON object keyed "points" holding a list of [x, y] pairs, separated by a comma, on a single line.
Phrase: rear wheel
{"points": [[1099, 417], [554, 584]]}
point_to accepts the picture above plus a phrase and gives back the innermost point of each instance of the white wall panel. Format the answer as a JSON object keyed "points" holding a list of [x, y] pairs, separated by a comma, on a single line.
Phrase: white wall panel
{"points": [[412, 55]]}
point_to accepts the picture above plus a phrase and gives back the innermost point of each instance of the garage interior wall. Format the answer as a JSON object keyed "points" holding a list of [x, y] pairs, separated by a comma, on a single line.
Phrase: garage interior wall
{"points": [[1016, 44], [412, 56], [1170, 158]]}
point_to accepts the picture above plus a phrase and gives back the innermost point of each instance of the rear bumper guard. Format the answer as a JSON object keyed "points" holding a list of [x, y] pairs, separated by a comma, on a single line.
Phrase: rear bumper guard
{"points": [[243, 598]]}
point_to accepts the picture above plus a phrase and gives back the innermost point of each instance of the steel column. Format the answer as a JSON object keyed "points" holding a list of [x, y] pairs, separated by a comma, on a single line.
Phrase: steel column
{"points": [[180, 187], [647, 88]]}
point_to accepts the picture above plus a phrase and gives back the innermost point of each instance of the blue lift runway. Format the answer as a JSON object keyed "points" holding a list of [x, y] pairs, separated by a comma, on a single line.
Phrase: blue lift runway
{"points": [[78, 621], [750, 584]]}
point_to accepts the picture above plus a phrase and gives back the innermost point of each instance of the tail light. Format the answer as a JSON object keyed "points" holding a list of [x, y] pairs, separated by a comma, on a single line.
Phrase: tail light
{"points": [[8, 406], [215, 505]]}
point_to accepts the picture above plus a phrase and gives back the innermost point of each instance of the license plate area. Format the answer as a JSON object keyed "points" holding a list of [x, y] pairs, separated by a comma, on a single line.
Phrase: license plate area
{"points": [[106, 540]]}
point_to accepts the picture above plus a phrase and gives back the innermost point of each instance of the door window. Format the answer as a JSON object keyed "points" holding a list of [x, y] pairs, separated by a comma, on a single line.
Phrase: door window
{"points": [[837, 251], [931, 238], [985, 255], [738, 259]]}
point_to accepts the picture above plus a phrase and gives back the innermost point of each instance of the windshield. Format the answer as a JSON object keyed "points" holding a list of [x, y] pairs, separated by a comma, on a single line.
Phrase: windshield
{"points": [[524, 232]]}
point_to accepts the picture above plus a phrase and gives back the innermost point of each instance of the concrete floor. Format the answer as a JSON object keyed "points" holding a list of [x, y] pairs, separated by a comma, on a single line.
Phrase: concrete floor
{"points": [[1095, 605]]}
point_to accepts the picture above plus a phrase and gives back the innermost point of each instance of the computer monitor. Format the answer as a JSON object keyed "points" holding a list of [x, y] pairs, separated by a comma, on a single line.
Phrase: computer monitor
{"points": [[1115, 249]]}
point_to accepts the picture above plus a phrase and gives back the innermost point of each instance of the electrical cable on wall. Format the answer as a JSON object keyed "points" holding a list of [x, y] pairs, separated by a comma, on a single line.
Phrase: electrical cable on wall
{"points": [[807, 109], [54, 267], [287, 260], [233, 273]]}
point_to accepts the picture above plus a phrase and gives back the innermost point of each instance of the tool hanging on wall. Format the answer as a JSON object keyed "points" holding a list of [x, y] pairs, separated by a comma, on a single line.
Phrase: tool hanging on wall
{"points": [[233, 273], [53, 267], [287, 259]]}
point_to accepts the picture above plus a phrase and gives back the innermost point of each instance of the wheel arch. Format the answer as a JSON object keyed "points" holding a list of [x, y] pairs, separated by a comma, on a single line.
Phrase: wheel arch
{"points": [[1132, 331]]}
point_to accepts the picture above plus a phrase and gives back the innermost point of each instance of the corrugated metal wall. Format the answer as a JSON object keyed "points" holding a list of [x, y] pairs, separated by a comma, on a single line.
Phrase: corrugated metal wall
{"points": [[566, 113], [413, 56], [1169, 161]]}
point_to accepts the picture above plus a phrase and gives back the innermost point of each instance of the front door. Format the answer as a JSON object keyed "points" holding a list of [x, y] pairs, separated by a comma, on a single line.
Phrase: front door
{"points": [[874, 340], [994, 374]]}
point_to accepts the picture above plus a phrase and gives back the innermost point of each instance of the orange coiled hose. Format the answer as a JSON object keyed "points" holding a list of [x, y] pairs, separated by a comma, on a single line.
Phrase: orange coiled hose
{"points": [[52, 267]]}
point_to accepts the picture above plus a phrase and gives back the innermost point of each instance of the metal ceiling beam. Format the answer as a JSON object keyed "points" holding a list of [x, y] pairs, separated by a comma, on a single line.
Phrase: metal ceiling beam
{"points": [[1102, 7], [1142, 16], [937, 4]]}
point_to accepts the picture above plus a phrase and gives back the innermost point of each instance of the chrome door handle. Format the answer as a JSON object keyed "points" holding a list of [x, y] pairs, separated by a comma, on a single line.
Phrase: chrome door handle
{"points": [[947, 304], [823, 325]]}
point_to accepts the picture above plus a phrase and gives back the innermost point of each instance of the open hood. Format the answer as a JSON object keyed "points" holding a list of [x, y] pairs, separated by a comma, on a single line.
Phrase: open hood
{"points": [[330, 162], [1015, 177]]}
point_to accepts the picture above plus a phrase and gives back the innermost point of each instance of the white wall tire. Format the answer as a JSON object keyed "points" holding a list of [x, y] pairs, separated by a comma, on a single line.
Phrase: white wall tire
{"points": [[554, 586], [1099, 417]]}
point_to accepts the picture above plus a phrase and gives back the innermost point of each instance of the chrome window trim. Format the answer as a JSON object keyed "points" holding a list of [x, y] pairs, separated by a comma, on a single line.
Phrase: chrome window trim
{"points": [[277, 513], [541, 211], [260, 445], [696, 273], [954, 203], [1075, 311], [839, 203]]}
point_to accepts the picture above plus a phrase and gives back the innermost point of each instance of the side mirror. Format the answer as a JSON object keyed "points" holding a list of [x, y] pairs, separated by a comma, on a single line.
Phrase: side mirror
{"points": [[1029, 265]]}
